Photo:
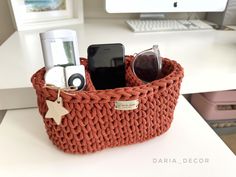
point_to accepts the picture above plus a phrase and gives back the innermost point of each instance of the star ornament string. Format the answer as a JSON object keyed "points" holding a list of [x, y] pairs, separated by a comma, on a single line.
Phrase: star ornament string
{"points": [[56, 109]]}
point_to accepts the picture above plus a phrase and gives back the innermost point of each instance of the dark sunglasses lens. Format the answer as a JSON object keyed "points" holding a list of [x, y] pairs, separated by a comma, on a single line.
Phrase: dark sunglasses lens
{"points": [[146, 66]]}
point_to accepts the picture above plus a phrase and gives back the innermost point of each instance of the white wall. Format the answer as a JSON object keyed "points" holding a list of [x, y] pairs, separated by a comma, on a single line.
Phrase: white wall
{"points": [[6, 25]]}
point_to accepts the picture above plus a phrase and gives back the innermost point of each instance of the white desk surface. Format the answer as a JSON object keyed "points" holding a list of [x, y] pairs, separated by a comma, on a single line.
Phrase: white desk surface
{"points": [[25, 151], [208, 57]]}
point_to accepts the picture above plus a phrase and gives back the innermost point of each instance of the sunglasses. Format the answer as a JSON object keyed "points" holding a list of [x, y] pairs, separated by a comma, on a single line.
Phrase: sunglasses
{"points": [[147, 64]]}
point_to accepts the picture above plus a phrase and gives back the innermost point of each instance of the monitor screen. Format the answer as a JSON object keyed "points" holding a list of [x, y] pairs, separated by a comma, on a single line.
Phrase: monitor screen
{"points": [[155, 6]]}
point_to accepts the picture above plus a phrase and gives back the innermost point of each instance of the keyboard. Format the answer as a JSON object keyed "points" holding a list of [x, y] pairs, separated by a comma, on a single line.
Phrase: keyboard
{"points": [[167, 25]]}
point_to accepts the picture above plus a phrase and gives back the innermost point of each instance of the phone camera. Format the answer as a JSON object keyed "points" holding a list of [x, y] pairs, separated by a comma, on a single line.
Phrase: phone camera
{"points": [[66, 77], [75, 76]]}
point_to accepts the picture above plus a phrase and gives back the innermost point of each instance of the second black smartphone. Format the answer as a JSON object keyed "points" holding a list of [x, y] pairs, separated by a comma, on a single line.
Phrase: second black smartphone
{"points": [[106, 65]]}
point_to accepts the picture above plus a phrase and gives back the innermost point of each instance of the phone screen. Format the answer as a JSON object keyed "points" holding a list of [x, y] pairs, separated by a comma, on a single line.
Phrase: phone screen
{"points": [[106, 65]]}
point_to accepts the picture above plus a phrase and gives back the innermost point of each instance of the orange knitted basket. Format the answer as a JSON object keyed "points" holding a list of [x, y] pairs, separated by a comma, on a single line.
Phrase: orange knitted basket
{"points": [[94, 124]]}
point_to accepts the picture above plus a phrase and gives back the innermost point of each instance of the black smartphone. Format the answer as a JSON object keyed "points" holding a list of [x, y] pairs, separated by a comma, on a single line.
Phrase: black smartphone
{"points": [[106, 65]]}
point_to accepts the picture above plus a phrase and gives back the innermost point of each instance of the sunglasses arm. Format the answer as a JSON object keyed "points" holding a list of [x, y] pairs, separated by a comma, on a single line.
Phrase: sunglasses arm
{"points": [[159, 59]]}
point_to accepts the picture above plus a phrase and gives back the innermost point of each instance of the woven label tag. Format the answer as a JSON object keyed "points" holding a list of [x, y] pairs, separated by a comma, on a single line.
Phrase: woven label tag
{"points": [[126, 105]]}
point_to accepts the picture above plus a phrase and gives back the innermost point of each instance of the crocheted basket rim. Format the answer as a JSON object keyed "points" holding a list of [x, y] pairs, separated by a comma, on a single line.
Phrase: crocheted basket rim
{"points": [[177, 71]]}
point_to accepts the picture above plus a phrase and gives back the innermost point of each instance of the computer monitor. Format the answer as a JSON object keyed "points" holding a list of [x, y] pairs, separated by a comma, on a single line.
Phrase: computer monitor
{"points": [[154, 6]]}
